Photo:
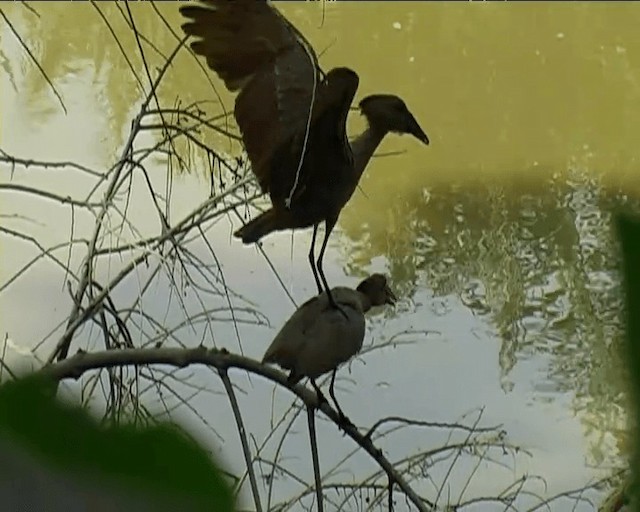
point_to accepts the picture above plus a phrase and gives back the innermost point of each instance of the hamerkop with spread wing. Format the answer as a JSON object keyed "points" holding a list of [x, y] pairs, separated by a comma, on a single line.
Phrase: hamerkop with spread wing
{"points": [[317, 338], [292, 116]]}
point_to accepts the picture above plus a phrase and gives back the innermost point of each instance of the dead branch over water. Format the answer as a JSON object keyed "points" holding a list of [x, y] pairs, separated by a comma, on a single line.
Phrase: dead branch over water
{"points": [[137, 344]]}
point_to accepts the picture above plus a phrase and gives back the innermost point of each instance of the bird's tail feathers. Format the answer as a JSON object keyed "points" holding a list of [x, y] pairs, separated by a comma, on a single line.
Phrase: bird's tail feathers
{"points": [[262, 225]]}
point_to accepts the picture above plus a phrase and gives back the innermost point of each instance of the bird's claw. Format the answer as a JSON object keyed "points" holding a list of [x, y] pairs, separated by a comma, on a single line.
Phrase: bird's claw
{"points": [[344, 422]]}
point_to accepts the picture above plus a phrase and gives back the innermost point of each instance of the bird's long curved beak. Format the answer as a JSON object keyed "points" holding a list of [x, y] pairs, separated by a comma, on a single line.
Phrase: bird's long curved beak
{"points": [[391, 297], [415, 130]]}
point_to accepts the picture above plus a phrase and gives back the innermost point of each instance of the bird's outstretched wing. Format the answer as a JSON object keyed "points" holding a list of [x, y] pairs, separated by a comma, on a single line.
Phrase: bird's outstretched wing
{"points": [[257, 52]]}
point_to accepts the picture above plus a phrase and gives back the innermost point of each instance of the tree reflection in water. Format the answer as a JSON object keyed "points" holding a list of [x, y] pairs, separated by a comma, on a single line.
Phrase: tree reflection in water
{"points": [[541, 266]]}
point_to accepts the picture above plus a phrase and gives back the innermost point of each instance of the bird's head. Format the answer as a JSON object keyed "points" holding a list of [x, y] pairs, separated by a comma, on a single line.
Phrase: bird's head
{"points": [[375, 287], [389, 113]]}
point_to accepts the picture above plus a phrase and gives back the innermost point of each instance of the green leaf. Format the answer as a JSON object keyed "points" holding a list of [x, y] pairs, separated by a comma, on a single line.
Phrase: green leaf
{"points": [[160, 463], [629, 232]]}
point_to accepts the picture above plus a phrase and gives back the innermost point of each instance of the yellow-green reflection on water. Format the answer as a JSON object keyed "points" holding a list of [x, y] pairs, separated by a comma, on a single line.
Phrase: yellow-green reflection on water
{"points": [[533, 111]]}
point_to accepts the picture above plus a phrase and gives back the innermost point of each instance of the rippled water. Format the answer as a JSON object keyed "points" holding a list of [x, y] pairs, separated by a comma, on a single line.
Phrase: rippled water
{"points": [[497, 236]]}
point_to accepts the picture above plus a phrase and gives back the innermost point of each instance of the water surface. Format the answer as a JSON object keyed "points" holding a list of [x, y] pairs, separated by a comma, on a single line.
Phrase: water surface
{"points": [[497, 236]]}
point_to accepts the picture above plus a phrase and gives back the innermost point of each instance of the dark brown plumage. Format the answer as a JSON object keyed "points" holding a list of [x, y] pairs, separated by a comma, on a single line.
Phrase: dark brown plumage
{"points": [[292, 117], [317, 339]]}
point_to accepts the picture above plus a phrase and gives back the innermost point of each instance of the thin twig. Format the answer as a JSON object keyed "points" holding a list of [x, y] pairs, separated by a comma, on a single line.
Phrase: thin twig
{"points": [[83, 315], [62, 346], [34, 60], [28, 162], [243, 437], [430, 424], [14, 187], [120, 45]]}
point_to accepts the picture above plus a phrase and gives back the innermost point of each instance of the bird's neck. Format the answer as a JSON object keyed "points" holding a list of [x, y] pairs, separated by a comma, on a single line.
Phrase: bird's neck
{"points": [[363, 147], [365, 301]]}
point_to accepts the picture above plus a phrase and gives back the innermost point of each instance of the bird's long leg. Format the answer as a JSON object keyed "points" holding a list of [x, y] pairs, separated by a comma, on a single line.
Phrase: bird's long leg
{"points": [[321, 397], [343, 418], [329, 224], [312, 255], [313, 438]]}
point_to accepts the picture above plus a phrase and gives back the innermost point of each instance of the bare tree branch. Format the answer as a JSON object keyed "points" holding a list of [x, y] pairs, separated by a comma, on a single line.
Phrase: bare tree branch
{"points": [[243, 437], [63, 345], [34, 60], [77, 365]]}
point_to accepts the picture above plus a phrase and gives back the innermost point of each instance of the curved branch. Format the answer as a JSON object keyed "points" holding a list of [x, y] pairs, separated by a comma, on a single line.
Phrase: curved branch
{"points": [[431, 424], [74, 367]]}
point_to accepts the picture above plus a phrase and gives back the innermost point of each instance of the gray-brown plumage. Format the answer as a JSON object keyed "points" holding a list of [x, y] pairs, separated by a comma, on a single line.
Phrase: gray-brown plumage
{"points": [[317, 338], [292, 117]]}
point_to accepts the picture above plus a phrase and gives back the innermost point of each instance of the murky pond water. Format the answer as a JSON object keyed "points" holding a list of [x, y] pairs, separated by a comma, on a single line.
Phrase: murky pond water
{"points": [[497, 236]]}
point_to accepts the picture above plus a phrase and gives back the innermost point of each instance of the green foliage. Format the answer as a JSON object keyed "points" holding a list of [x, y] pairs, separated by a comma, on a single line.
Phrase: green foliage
{"points": [[629, 231], [158, 461]]}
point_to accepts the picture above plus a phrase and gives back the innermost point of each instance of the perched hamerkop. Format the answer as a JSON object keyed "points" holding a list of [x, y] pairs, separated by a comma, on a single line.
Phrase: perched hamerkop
{"points": [[317, 339], [292, 117]]}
